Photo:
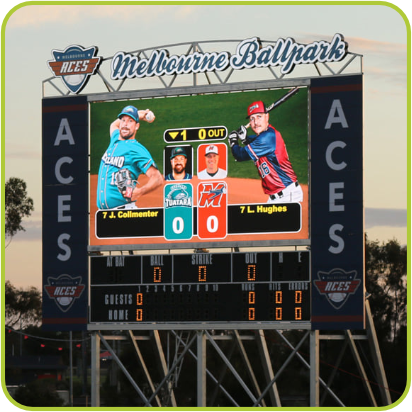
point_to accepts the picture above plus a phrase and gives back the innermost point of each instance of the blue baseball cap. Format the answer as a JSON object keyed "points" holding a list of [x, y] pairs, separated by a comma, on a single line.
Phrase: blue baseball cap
{"points": [[130, 111], [176, 151]]}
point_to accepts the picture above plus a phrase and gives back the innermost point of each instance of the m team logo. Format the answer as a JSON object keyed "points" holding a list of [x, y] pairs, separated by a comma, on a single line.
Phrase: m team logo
{"points": [[212, 210], [337, 285], [64, 290], [212, 194], [74, 65]]}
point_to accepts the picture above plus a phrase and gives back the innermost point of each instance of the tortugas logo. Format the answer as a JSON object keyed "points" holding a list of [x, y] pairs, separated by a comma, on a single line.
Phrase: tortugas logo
{"points": [[74, 65]]}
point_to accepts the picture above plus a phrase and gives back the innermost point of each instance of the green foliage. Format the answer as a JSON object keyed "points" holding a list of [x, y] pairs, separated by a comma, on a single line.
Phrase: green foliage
{"points": [[22, 306], [386, 271], [38, 393], [17, 205]]}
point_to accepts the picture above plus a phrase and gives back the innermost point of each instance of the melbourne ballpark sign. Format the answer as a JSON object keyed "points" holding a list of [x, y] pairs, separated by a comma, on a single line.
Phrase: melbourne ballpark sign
{"points": [[74, 62], [249, 54]]}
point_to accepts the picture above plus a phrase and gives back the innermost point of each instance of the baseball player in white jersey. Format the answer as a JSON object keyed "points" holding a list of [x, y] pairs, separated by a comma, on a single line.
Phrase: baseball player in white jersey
{"points": [[212, 170], [122, 163]]}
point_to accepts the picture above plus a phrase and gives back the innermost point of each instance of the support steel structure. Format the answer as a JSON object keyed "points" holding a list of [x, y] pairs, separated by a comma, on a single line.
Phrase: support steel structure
{"points": [[261, 392]]}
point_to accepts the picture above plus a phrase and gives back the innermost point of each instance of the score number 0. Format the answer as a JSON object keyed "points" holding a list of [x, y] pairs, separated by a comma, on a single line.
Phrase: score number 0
{"points": [[251, 277]]}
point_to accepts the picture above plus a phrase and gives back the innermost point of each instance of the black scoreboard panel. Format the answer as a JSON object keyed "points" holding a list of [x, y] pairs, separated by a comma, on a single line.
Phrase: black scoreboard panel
{"points": [[201, 287]]}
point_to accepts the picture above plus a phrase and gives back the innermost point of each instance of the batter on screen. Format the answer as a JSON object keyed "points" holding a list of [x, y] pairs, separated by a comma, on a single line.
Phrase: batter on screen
{"points": [[124, 160], [268, 150]]}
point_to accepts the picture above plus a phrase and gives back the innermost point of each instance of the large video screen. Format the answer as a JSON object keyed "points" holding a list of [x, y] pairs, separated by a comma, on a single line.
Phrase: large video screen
{"points": [[185, 180]]}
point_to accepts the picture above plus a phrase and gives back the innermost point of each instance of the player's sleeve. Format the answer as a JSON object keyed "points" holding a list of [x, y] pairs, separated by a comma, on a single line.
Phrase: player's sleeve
{"points": [[263, 146], [115, 135], [240, 153], [144, 159]]}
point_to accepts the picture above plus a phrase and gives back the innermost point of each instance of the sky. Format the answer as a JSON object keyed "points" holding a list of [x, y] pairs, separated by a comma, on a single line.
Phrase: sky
{"points": [[376, 31]]}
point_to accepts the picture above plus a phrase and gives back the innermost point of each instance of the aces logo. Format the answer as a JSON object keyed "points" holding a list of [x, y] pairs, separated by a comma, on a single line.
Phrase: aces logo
{"points": [[337, 285], [74, 66], [64, 290]]}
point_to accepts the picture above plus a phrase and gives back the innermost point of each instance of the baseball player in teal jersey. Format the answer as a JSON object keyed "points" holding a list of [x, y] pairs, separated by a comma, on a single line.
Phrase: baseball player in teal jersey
{"points": [[122, 163]]}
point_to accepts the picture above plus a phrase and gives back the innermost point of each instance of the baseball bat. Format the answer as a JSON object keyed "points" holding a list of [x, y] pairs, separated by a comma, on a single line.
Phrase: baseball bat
{"points": [[279, 101]]}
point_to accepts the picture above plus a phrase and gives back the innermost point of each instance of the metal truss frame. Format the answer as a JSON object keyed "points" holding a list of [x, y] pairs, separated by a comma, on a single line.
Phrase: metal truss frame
{"points": [[194, 344]]}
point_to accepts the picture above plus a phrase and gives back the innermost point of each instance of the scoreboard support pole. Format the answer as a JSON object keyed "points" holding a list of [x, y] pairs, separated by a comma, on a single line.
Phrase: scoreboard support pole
{"points": [[314, 368], [267, 367], [95, 369], [201, 368]]}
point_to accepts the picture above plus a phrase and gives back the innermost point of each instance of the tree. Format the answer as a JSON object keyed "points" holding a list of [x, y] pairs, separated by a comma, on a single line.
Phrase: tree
{"points": [[22, 306], [17, 205], [38, 393], [386, 272], [386, 276]]}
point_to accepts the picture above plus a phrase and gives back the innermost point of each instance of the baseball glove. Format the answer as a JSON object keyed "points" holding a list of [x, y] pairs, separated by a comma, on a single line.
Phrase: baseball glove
{"points": [[125, 183], [233, 138], [242, 133]]}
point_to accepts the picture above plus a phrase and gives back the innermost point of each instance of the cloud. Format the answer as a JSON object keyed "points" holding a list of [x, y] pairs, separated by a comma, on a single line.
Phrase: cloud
{"points": [[14, 152], [37, 15], [376, 47], [385, 217]]}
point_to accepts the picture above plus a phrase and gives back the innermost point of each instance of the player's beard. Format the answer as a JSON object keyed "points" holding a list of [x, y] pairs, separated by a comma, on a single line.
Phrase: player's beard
{"points": [[179, 168], [127, 137]]}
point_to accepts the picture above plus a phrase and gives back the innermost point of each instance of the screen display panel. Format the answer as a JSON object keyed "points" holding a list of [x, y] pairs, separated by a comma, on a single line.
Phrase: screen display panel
{"points": [[209, 193]]}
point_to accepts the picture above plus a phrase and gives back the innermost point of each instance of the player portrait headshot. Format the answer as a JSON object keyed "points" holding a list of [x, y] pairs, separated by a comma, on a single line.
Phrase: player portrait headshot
{"points": [[124, 160], [178, 163], [212, 161], [267, 149]]}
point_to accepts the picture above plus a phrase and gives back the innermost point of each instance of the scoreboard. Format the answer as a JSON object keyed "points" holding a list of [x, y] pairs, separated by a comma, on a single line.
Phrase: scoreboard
{"points": [[322, 128], [207, 288]]}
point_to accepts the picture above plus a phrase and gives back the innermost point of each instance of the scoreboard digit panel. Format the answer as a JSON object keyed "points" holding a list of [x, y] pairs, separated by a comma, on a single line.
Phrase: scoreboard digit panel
{"points": [[116, 270], [157, 269], [202, 268], [251, 267], [202, 288]]}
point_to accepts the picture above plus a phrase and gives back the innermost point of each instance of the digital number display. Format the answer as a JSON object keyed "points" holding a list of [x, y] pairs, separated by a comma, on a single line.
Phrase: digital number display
{"points": [[194, 134], [201, 287]]}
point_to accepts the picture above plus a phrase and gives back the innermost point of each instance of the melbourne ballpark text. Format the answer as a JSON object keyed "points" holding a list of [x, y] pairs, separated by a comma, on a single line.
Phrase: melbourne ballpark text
{"points": [[249, 54]]}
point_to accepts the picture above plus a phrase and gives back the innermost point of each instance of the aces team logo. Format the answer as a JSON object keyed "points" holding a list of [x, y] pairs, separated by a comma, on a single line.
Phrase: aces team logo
{"points": [[74, 66], [64, 290], [337, 285]]}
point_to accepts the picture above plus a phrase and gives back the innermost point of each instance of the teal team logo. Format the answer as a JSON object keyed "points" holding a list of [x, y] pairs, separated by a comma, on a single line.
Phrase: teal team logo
{"points": [[178, 213]]}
